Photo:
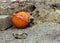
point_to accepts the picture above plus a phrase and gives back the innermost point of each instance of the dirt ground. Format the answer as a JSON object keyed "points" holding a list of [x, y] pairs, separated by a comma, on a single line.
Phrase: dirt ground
{"points": [[44, 26], [40, 12]]}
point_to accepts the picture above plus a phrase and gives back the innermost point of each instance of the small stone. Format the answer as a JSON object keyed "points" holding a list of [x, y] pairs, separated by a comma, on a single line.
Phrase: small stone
{"points": [[58, 11], [20, 36]]}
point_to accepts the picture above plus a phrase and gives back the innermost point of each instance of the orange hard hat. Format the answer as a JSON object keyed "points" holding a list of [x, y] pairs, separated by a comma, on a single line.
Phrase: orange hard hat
{"points": [[21, 19]]}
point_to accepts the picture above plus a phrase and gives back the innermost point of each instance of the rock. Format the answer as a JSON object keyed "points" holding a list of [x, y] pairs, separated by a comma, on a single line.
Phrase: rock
{"points": [[20, 36], [5, 22]]}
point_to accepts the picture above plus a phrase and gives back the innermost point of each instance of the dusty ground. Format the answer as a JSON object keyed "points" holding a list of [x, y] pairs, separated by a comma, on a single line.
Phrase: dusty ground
{"points": [[44, 33], [45, 23], [41, 12]]}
